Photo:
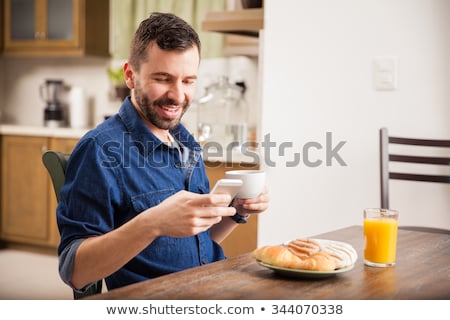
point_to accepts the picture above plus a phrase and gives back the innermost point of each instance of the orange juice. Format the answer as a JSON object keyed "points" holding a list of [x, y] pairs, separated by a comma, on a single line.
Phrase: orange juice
{"points": [[380, 238]]}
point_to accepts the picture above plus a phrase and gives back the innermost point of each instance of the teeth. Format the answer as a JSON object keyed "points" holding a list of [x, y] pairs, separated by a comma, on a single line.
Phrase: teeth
{"points": [[170, 109]]}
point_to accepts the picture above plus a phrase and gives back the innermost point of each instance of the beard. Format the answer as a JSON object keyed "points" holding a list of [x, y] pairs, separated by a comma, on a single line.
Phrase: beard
{"points": [[148, 109]]}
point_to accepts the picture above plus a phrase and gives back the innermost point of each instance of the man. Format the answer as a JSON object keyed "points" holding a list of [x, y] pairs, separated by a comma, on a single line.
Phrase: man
{"points": [[136, 202]]}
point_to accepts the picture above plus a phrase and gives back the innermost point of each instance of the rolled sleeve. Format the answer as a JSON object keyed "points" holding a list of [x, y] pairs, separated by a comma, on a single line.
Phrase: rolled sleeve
{"points": [[66, 264]]}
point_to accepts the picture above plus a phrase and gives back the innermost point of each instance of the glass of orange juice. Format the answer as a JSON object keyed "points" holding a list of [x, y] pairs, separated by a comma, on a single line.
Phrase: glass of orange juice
{"points": [[380, 237]]}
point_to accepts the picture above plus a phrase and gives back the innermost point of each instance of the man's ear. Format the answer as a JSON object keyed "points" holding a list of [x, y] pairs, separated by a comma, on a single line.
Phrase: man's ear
{"points": [[128, 74]]}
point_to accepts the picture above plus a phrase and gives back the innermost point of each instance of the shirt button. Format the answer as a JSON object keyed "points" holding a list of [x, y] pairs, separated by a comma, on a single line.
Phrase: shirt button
{"points": [[204, 261]]}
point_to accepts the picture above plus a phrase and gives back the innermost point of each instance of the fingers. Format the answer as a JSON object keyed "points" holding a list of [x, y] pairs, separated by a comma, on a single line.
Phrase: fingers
{"points": [[210, 200], [210, 205], [251, 209], [254, 205], [220, 211], [262, 198], [188, 213], [207, 221]]}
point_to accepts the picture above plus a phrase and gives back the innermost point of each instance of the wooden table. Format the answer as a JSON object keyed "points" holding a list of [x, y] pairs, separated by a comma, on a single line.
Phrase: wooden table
{"points": [[422, 272]]}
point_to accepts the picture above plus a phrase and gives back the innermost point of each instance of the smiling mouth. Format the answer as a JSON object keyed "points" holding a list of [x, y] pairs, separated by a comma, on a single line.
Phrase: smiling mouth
{"points": [[170, 108]]}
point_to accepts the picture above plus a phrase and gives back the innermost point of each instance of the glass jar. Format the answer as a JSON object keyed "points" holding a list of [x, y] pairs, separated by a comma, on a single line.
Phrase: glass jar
{"points": [[222, 114]]}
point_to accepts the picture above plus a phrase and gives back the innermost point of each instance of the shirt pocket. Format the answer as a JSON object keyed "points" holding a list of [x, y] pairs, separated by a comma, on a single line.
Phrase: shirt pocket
{"points": [[147, 200], [160, 247]]}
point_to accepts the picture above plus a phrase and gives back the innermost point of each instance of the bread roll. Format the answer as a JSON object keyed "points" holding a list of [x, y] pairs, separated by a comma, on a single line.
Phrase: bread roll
{"points": [[308, 254]]}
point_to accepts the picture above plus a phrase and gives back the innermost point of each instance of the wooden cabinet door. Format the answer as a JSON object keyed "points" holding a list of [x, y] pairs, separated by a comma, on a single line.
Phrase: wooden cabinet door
{"points": [[1, 24], [244, 238], [28, 206], [56, 27], [37, 23], [64, 146], [25, 186]]}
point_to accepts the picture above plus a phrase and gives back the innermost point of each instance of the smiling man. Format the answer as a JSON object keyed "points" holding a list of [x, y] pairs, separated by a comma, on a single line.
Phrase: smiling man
{"points": [[136, 202]]}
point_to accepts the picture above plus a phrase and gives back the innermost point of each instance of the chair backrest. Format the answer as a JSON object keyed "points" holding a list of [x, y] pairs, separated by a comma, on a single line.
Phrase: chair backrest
{"points": [[56, 163], [386, 157]]}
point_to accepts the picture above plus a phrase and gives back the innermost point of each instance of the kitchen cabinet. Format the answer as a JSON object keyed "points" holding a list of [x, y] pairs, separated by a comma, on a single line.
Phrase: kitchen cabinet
{"points": [[1, 24], [244, 238], [50, 28], [28, 202]]}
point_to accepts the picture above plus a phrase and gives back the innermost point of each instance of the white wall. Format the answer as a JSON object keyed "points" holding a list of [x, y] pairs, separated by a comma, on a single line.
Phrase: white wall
{"points": [[317, 77]]}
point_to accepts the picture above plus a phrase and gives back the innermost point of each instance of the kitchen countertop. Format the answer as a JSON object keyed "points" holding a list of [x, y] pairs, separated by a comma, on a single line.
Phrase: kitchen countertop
{"points": [[26, 130], [234, 156]]}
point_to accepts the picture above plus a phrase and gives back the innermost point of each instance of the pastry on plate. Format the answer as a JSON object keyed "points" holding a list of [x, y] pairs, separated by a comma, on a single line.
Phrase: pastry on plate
{"points": [[308, 254]]}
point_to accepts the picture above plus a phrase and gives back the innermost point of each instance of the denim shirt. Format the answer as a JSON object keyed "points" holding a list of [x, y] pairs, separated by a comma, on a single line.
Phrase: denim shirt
{"points": [[115, 172]]}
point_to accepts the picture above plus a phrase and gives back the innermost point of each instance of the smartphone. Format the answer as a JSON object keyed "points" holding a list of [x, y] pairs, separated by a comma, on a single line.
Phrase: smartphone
{"points": [[227, 186]]}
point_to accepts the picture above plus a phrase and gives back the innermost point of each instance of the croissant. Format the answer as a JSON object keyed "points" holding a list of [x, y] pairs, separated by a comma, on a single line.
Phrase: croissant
{"points": [[307, 254]]}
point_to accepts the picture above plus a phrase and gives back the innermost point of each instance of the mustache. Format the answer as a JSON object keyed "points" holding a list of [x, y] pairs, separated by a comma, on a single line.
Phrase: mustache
{"points": [[168, 101]]}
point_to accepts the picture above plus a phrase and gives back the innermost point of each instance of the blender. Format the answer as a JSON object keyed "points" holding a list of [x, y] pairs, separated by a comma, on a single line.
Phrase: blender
{"points": [[51, 92]]}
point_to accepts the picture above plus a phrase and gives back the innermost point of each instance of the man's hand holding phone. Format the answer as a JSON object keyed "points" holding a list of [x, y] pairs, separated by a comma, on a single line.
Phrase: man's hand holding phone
{"points": [[227, 186]]}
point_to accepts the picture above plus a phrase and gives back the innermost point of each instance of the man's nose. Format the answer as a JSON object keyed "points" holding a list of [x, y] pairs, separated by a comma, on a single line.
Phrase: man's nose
{"points": [[176, 92]]}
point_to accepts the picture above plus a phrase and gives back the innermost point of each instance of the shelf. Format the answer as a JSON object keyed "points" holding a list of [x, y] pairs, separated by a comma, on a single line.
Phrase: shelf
{"points": [[246, 22], [241, 45]]}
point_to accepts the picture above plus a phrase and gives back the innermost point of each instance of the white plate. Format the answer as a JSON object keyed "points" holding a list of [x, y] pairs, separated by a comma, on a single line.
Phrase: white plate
{"points": [[297, 273]]}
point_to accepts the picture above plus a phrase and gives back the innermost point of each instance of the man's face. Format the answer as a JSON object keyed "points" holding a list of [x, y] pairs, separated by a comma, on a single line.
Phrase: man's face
{"points": [[164, 86]]}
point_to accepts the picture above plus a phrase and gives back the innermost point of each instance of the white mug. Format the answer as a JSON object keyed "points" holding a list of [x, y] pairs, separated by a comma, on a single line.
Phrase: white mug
{"points": [[253, 182]]}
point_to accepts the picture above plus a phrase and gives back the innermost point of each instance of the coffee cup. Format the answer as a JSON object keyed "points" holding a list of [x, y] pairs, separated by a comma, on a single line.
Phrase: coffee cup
{"points": [[253, 182]]}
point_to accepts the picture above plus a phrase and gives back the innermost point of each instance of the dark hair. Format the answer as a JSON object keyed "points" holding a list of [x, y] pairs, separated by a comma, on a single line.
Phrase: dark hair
{"points": [[167, 30]]}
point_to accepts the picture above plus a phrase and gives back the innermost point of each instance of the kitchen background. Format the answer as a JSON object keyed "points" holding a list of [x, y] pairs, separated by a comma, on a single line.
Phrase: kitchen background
{"points": [[28, 209], [314, 75], [20, 95]]}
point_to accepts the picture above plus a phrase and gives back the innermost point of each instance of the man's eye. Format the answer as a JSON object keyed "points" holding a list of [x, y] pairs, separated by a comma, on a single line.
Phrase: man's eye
{"points": [[189, 81]]}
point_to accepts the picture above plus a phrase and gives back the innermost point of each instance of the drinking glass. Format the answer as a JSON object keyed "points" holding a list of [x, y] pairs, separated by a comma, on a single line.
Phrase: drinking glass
{"points": [[380, 237]]}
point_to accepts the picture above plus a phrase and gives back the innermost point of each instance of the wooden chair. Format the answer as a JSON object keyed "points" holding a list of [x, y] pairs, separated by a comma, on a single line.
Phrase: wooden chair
{"points": [[386, 174], [56, 162]]}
